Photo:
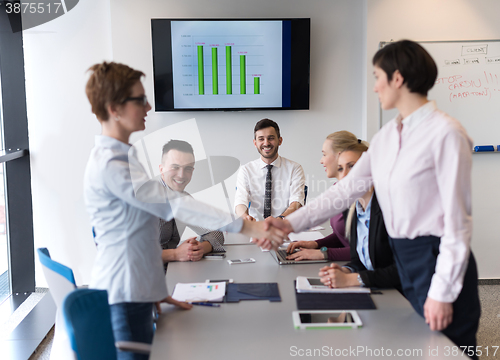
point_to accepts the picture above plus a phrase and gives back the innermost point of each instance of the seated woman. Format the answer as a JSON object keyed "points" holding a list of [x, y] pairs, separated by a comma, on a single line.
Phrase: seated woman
{"points": [[335, 246], [372, 263]]}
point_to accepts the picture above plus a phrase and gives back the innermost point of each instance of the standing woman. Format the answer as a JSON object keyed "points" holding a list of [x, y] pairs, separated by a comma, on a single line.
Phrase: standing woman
{"points": [[124, 206], [335, 246], [420, 164]]}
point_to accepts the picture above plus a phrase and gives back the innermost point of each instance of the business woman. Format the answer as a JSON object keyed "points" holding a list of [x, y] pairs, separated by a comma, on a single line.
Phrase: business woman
{"points": [[124, 206], [334, 246], [420, 164], [371, 262]]}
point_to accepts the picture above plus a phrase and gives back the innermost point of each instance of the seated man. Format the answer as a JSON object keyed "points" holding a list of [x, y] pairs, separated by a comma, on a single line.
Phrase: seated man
{"points": [[270, 185], [176, 170]]}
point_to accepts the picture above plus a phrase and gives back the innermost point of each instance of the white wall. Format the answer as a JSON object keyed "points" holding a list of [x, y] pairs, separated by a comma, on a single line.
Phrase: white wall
{"points": [[337, 39], [427, 20], [62, 128]]}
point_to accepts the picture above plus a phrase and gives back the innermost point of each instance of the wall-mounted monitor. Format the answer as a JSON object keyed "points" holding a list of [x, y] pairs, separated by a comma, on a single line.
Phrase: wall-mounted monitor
{"points": [[231, 64]]}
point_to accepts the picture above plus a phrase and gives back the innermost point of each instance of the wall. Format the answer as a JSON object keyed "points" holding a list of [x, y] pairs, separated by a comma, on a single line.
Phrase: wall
{"points": [[337, 38], [428, 20], [62, 128]]}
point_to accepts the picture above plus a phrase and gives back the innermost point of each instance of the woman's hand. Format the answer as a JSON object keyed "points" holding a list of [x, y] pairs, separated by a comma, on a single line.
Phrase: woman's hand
{"points": [[335, 276], [438, 314], [306, 254], [169, 300], [301, 245]]}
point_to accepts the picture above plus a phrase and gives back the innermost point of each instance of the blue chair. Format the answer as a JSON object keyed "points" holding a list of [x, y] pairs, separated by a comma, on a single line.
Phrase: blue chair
{"points": [[61, 282], [87, 318]]}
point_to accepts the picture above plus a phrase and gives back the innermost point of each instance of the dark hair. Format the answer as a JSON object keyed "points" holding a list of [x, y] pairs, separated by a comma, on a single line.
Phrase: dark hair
{"points": [[179, 145], [110, 83], [265, 123], [413, 62]]}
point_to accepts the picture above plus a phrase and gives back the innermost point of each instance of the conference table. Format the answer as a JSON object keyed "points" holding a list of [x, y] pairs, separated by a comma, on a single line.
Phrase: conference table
{"points": [[260, 329]]}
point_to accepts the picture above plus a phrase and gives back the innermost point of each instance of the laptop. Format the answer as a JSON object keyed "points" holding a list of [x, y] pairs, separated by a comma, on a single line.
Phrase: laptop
{"points": [[280, 256]]}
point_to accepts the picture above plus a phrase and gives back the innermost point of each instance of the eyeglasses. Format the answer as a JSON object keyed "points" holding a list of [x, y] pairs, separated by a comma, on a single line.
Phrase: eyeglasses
{"points": [[143, 100]]}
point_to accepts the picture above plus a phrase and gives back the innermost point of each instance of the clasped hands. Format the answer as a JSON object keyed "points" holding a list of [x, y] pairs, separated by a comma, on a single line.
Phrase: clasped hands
{"points": [[189, 250], [268, 234]]}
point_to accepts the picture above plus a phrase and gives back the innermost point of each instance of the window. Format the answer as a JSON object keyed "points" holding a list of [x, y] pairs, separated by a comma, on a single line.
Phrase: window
{"points": [[15, 162]]}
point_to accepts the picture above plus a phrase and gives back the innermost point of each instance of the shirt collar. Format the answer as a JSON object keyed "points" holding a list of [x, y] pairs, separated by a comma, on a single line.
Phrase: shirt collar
{"points": [[111, 143], [415, 118], [276, 163], [169, 190], [359, 208]]}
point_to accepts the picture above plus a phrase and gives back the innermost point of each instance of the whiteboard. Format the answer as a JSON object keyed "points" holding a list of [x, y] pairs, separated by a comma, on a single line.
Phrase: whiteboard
{"points": [[467, 87]]}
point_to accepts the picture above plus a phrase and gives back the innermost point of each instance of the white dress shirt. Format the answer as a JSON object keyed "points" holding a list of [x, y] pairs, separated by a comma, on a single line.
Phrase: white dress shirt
{"points": [[421, 169], [287, 186], [124, 206]]}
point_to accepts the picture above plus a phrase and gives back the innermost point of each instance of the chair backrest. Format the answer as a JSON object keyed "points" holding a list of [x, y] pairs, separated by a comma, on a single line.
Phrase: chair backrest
{"points": [[59, 277], [88, 322]]}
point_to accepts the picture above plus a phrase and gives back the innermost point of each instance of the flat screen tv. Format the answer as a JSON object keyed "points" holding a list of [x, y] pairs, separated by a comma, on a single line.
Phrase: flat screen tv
{"points": [[231, 64]]}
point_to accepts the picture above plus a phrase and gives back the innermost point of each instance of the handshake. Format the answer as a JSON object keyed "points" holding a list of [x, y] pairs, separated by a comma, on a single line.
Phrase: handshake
{"points": [[268, 234]]}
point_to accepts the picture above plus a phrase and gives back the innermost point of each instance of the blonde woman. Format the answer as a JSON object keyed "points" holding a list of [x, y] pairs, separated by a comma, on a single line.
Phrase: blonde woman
{"points": [[372, 263], [334, 246]]}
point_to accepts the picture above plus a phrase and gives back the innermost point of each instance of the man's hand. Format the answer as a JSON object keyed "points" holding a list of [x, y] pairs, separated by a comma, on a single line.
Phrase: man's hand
{"points": [[301, 245], [169, 300], [306, 254], [438, 314], [248, 217], [189, 250]]}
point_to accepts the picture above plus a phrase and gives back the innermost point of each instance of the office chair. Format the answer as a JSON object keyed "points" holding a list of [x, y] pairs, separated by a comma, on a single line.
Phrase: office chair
{"points": [[61, 282], [87, 318]]}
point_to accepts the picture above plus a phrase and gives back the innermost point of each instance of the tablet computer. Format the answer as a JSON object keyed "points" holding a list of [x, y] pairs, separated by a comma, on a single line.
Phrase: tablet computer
{"points": [[324, 319]]}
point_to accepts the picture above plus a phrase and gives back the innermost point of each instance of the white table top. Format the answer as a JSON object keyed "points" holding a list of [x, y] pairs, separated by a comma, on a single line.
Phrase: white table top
{"points": [[264, 330]]}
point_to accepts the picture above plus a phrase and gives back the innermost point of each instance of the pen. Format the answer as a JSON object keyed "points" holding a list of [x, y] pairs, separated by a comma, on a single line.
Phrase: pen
{"points": [[205, 304]]}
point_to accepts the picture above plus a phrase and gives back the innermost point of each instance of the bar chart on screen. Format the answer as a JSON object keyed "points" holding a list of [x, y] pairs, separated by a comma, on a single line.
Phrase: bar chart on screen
{"points": [[219, 63], [227, 65]]}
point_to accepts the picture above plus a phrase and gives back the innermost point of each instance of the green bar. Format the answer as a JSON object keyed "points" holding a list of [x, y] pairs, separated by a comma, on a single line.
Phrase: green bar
{"points": [[229, 73], [215, 75], [201, 75], [256, 85], [243, 76]]}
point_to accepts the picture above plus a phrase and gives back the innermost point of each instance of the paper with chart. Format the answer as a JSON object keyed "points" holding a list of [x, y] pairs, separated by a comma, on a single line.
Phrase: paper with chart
{"points": [[193, 292]]}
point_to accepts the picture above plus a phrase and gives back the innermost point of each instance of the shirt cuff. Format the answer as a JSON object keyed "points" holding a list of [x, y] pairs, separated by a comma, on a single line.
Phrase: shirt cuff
{"points": [[441, 290], [298, 222]]}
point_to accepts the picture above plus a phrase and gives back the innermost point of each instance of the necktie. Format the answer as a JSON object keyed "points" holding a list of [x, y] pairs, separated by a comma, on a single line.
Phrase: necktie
{"points": [[267, 196]]}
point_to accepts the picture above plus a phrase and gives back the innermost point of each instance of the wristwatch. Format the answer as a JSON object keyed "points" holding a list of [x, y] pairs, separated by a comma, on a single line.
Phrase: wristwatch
{"points": [[361, 283], [324, 250], [280, 217]]}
